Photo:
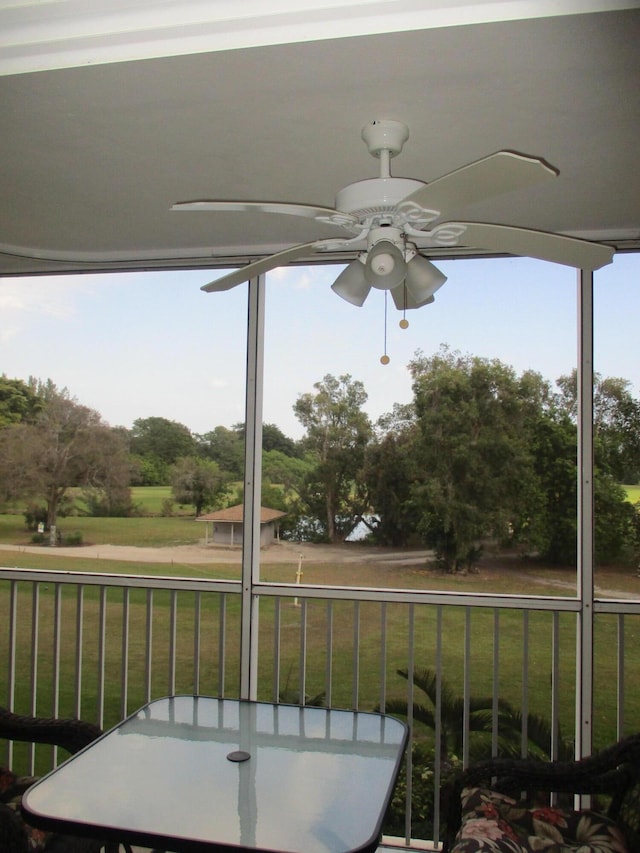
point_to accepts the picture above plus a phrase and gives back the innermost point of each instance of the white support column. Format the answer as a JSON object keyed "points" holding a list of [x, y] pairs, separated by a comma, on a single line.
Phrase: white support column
{"points": [[252, 487], [585, 568]]}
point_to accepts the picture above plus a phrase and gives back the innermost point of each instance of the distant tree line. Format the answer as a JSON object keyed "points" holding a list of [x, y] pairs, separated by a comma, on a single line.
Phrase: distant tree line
{"points": [[480, 454]]}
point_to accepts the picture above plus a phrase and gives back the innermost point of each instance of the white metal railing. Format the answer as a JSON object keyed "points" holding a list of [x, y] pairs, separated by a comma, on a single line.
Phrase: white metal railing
{"points": [[98, 646]]}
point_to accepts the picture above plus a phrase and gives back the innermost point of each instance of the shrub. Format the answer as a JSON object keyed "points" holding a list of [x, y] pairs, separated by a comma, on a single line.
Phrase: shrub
{"points": [[35, 515], [422, 793]]}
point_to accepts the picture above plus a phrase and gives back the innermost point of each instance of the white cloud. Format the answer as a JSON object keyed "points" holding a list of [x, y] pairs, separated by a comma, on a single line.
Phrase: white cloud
{"points": [[49, 297], [219, 384], [8, 333]]}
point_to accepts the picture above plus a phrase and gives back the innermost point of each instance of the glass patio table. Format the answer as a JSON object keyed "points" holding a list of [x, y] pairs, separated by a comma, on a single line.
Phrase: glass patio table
{"points": [[194, 773]]}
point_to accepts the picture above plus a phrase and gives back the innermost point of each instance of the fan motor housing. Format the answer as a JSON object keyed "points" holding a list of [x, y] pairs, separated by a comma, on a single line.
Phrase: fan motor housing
{"points": [[375, 198]]}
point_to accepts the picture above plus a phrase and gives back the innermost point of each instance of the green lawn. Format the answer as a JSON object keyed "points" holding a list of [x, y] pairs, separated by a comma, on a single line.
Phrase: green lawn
{"points": [[346, 623], [143, 530], [151, 500], [633, 493]]}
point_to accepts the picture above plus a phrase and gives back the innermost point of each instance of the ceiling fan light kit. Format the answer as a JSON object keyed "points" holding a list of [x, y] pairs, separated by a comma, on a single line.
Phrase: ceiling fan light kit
{"points": [[392, 221], [352, 284], [385, 267]]}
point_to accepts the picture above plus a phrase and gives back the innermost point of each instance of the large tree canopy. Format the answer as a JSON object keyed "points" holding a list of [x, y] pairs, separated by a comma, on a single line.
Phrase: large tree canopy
{"points": [[337, 434], [66, 445], [18, 401], [474, 458], [616, 418], [158, 443], [199, 482]]}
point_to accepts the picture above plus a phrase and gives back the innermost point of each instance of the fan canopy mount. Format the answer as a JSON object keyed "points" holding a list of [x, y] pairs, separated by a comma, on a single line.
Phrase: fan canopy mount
{"points": [[392, 221]]}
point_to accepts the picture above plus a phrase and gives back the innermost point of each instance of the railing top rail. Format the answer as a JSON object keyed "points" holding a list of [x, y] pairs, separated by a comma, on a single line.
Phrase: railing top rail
{"points": [[119, 580], [310, 591], [416, 596]]}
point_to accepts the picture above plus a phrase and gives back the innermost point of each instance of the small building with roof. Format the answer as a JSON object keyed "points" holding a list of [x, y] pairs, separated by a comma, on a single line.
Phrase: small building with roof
{"points": [[226, 526]]}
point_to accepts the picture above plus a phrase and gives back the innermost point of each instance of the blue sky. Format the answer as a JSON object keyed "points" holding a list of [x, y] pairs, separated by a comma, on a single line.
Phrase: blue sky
{"points": [[137, 345]]}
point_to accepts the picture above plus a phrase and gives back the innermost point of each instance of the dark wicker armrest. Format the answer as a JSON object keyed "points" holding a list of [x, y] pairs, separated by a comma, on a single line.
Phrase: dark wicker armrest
{"points": [[613, 771], [70, 734]]}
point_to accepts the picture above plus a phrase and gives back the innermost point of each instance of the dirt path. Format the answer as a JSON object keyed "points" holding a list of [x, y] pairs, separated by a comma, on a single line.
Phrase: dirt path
{"points": [[282, 552], [609, 583]]}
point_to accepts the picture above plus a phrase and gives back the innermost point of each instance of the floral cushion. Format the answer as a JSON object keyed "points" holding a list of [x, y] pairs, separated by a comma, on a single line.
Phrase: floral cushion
{"points": [[495, 823]]}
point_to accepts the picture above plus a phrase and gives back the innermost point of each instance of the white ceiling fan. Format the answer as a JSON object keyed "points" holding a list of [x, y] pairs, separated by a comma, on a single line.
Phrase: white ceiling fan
{"points": [[390, 220]]}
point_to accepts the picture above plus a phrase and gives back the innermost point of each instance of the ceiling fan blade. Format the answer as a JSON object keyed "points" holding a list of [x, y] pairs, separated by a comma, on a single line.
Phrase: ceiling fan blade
{"points": [[280, 259], [307, 211], [498, 173], [524, 242]]}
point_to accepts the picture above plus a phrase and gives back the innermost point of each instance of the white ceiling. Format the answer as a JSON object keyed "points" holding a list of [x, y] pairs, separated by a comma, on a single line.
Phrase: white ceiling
{"points": [[113, 110]]}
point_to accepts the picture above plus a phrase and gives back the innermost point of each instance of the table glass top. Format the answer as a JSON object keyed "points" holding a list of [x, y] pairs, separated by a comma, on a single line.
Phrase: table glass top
{"points": [[199, 770]]}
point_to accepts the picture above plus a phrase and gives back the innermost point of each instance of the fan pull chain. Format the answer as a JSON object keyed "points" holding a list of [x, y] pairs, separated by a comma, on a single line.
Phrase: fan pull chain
{"points": [[404, 323], [384, 359]]}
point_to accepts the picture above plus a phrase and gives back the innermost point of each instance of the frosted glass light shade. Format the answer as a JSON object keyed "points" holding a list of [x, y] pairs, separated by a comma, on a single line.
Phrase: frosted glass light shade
{"points": [[352, 285], [385, 266], [423, 279]]}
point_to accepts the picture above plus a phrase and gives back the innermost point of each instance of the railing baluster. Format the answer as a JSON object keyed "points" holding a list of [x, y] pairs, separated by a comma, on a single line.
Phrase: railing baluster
{"points": [[277, 628], [328, 674], [197, 628], [148, 645], [356, 656], [35, 629], [35, 634], [438, 727], [620, 671], [524, 736], [410, 691], [555, 684], [11, 662], [495, 682], [124, 654], [222, 633], [55, 673], [55, 663], [173, 610], [302, 662], [102, 654], [383, 656], [79, 649], [466, 689]]}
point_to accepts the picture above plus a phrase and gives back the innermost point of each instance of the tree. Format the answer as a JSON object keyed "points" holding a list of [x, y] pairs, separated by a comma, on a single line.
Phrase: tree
{"points": [[199, 482], [552, 527], [475, 464], [226, 447], [109, 495], [337, 434], [18, 402], [274, 439], [67, 445], [286, 471], [159, 443], [390, 474], [616, 418]]}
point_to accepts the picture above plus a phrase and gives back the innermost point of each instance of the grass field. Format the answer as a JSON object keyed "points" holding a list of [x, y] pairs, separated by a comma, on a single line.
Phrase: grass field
{"points": [[404, 630], [633, 493]]}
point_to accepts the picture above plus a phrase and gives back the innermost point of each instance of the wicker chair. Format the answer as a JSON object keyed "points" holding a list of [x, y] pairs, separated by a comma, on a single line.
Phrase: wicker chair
{"points": [[475, 803], [15, 835]]}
